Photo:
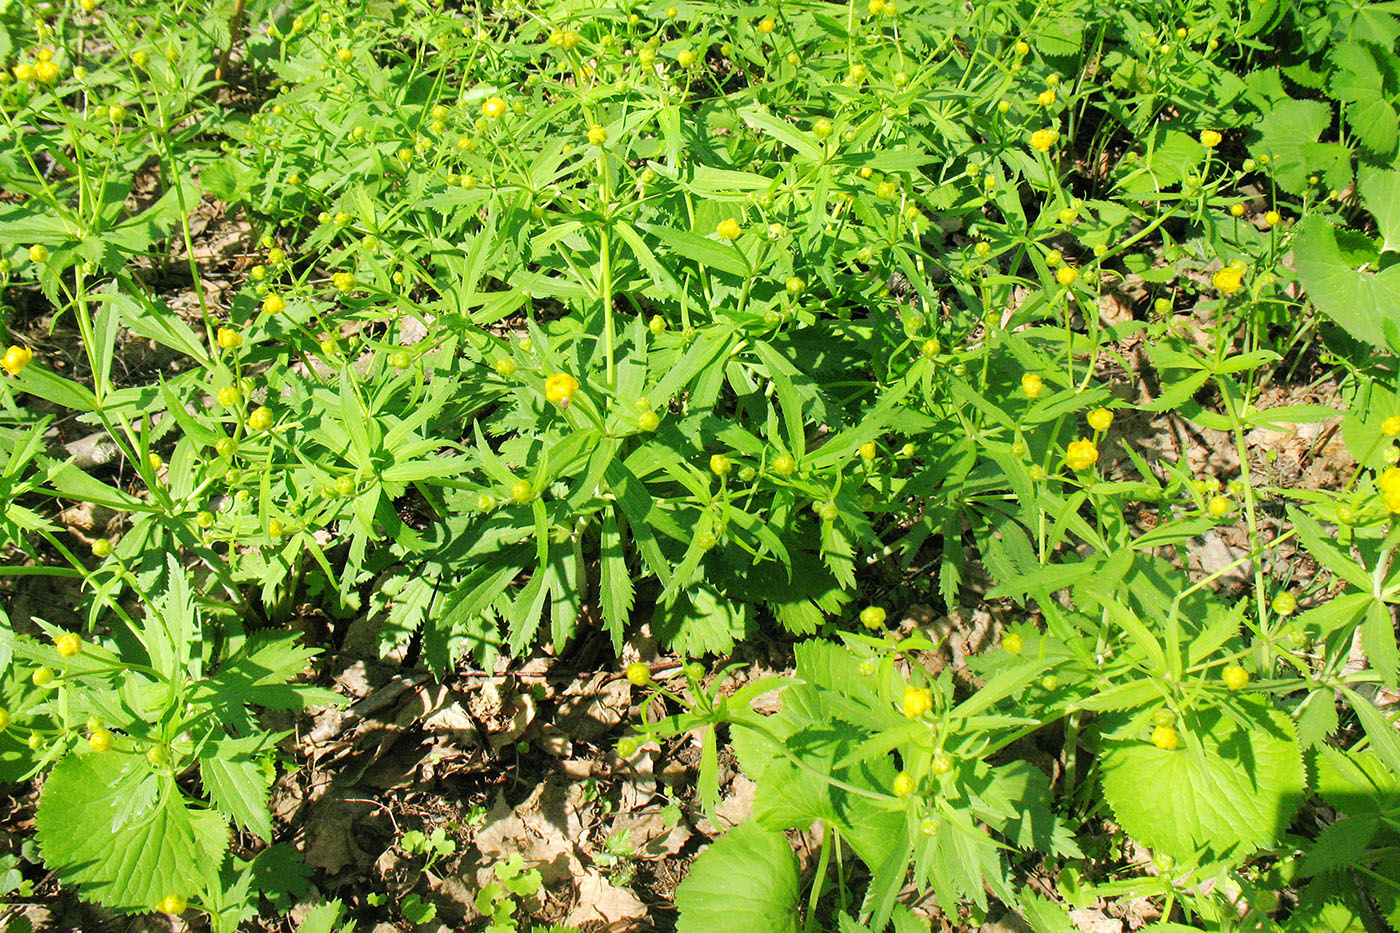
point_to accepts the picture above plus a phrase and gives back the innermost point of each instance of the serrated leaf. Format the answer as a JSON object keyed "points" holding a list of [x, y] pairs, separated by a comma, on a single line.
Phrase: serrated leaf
{"points": [[616, 591], [745, 881], [687, 245], [237, 784], [702, 621], [323, 918], [1318, 719], [1358, 301], [1227, 789], [168, 850]]}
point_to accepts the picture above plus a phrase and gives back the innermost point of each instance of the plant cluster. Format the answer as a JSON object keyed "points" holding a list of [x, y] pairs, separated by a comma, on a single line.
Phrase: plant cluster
{"points": [[734, 322]]}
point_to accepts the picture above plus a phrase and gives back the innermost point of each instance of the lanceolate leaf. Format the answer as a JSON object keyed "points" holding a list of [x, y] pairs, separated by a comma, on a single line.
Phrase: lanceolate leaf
{"points": [[616, 593]]}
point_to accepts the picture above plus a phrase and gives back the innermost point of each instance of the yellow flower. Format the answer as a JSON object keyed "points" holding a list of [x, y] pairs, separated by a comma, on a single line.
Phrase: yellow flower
{"points": [[1220, 506], [1390, 427], [597, 135], [1042, 140], [1210, 138], [1046, 97], [68, 644], [38, 253], [260, 419], [872, 617], [1227, 281], [1032, 385], [1081, 454], [1235, 677], [729, 229], [15, 359], [766, 26], [46, 72], [172, 905], [1066, 275], [1165, 738], [229, 339], [1389, 483], [494, 108], [917, 701], [273, 304], [1099, 419], [1023, 47], [560, 388]]}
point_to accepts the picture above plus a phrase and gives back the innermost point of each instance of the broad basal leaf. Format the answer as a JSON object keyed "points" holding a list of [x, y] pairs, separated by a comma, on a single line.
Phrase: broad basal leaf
{"points": [[745, 881], [1227, 789], [127, 864], [1357, 300]]}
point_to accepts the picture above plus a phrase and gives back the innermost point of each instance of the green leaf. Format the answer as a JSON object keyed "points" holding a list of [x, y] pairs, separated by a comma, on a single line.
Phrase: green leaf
{"points": [[1357, 301], [781, 130], [1227, 789], [237, 783], [1378, 639], [52, 387], [1379, 729], [130, 866], [1318, 719], [323, 918], [703, 621], [1045, 916], [144, 317], [745, 881], [1381, 192], [1288, 134], [1326, 552], [616, 593], [686, 245]]}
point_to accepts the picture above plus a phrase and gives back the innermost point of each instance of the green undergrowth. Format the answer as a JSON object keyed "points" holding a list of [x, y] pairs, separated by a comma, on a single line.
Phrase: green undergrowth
{"points": [[733, 321]]}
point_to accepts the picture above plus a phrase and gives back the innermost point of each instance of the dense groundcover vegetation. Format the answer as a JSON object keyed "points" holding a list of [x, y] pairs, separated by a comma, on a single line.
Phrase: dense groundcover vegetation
{"points": [[523, 325]]}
